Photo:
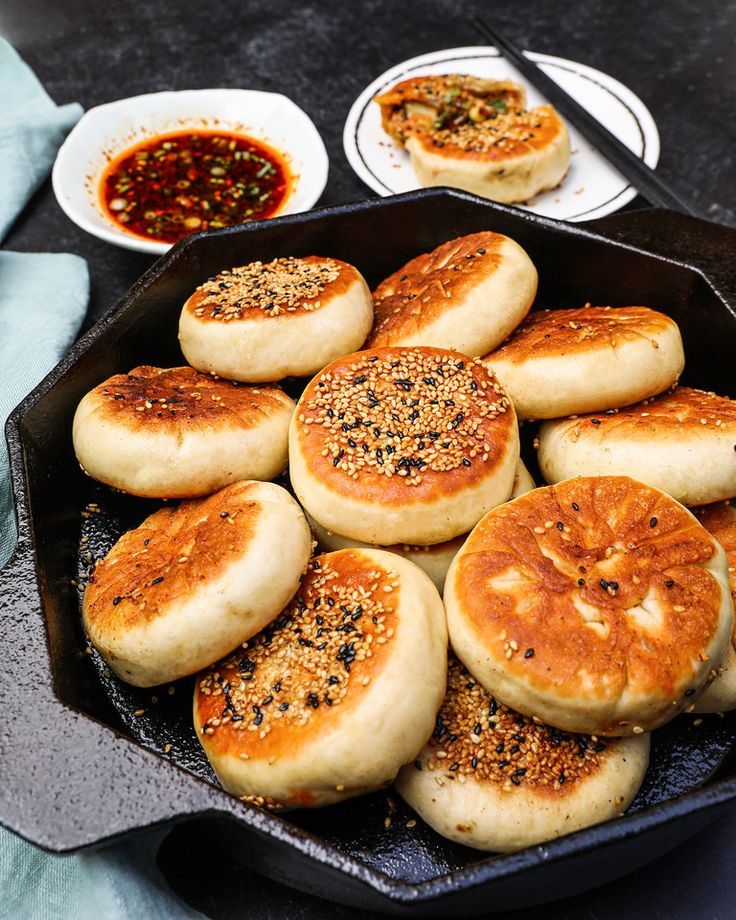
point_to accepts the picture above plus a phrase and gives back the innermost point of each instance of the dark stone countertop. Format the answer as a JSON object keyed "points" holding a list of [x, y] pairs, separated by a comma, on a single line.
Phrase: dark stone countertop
{"points": [[680, 58]]}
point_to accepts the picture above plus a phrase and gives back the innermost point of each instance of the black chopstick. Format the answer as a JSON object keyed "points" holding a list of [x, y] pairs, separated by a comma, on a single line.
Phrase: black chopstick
{"points": [[618, 154]]}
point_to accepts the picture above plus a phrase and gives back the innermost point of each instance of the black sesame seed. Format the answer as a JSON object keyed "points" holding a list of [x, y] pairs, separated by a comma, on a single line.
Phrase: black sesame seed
{"points": [[575, 506], [529, 653], [157, 581], [669, 584], [653, 522], [283, 707], [116, 600], [560, 525], [690, 691]]}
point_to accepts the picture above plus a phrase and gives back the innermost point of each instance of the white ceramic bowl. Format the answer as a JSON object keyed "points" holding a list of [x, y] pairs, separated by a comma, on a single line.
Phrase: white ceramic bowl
{"points": [[106, 130]]}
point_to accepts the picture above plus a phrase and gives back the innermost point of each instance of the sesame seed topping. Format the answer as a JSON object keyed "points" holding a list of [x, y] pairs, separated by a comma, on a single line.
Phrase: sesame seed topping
{"points": [[476, 736], [284, 285], [311, 655], [404, 413]]}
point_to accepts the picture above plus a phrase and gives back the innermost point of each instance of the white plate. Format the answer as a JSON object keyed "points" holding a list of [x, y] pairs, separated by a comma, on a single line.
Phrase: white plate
{"points": [[107, 130], [592, 188]]}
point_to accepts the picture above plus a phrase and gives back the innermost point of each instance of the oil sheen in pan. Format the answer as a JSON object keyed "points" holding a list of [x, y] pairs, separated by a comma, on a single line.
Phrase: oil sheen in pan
{"points": [[685, 753]]}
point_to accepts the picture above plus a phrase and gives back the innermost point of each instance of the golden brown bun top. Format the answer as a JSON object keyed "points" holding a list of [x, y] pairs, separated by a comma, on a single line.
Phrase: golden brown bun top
{"points": [[403, 424], [482, 740], [559, 333], [433, 282], [309, 668], [171, 553], [282, 288], [162, 399], [720, 520], [681, 409], [510, 135], [458, 115], [536, 571]]}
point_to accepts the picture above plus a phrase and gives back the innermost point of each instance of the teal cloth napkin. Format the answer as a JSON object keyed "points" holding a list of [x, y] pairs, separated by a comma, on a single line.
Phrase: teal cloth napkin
{"points": [[43, 299], [32, 128]]}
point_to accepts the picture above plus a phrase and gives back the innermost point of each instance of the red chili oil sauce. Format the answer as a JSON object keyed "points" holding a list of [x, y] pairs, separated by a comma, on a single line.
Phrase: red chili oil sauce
{"points": [[178, 183]]}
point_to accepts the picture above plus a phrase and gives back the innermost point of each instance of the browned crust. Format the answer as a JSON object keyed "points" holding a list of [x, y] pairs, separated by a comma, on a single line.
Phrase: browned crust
{"points": [[489, 413], [513, 135], [561, 552], [719, 519], [355, 620], [679, 409], [180, 398], [452, 96], [430, 284], [165, 559], [559, 333], [480, 739], [225, 298]]}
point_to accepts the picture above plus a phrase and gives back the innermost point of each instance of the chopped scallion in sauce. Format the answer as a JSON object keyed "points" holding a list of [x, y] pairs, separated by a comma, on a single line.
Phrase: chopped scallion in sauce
{"points": [[174, 184]]}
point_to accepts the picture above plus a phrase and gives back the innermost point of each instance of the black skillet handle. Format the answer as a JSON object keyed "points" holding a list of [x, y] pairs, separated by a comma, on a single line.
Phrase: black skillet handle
{"points": [[65, 776]]}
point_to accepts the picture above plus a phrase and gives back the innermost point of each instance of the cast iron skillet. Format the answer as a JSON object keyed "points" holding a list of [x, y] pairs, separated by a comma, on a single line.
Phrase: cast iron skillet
{"points": [[85, 759]]}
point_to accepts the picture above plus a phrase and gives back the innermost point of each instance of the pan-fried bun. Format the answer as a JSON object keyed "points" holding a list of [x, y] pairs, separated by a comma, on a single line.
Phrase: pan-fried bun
{"points": [[683, 442], [562, 362], [475, 134], [193, 582], [340, 691], [266, 321], [523, 481], [177, 433], [599, 605], [399, 445], [415, 104], [492, 779], [511, 158], [468, 294], [720, 520], [434, 560]]}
